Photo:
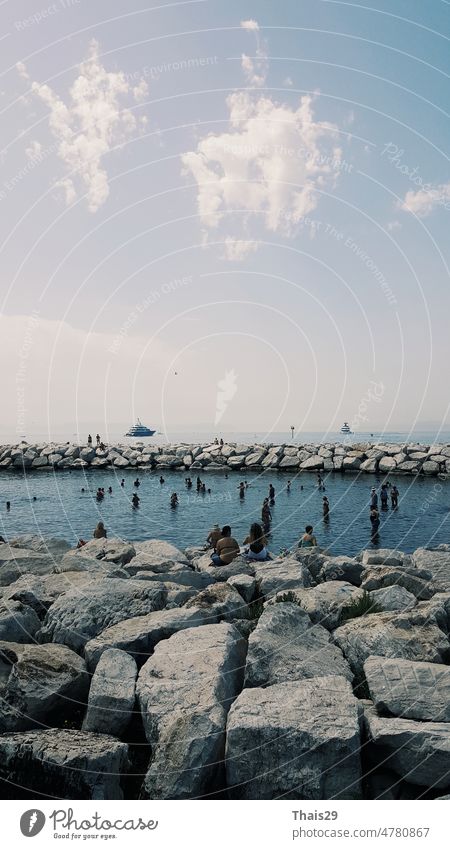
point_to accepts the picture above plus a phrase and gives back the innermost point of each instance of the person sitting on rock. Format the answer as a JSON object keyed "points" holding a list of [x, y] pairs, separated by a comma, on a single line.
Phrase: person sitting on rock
{"points": [[227, 548], [308, 539], [100, 531], [257, 545], [214, 536]]}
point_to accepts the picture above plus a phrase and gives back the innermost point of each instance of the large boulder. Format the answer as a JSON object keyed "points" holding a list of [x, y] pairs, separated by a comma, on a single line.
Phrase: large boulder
{"points": [[39, 592], [184, 692], [437, 562], [238, 566], [245, 585], [75, 618], [286, 646], [295, 740], [65, 764], [409, 635], [416, 751], [18, 622], [342, 569], [408, 689], [393, 598], [156, 553], [281, 575], [382, 557], [50, 546], [312, 463], [15, 562], [324, 603], [39, 684], [112, 694], [416, 581], [139, 635], [222, 602], [105, 551]]}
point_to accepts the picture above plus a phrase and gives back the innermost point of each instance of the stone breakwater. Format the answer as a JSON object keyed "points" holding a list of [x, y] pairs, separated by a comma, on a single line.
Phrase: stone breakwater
{"points": [[403, 459], [142, 671]]}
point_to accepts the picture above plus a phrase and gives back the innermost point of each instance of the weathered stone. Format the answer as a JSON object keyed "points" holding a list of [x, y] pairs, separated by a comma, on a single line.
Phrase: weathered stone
{"points": [[139, 635], [245, 586], [112, 694], [159, 553], [74, 619], [437, 562], [64, 764], [289, 462], [342, 569], [407, 635], [324, 603], [351, 464], [239, 566], [416, 581], [314, 462], [417, 751], [255, 458], [281, 575], [50, 546], [286, 646], [18, 622], [407, 689], [102, 551], [383, 557], [184, 692], [370, 465], [386, 464], [39, 684], [295, 740], [393, 598], [221, 601], [430, 467], [15, 562]]}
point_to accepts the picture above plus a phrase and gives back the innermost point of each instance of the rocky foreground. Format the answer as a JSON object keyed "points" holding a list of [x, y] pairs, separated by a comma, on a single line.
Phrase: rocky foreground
{"points": [[410, 459], [142, 671]]}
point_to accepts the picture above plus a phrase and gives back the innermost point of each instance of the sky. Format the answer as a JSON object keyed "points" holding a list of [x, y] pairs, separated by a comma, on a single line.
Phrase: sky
{"points": [[231, 216]]}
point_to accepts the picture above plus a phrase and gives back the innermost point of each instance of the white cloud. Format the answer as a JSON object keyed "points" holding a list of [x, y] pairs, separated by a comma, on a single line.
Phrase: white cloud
{"points": [[270, 165], [238, 249], [89, 125], [288, 81], [22, 71], [250, 25], [425, 200], [393, 225], [33, 150]]}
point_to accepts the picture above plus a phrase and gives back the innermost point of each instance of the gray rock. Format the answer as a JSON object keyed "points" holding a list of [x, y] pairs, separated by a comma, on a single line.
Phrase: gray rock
{"points": [[437, 562], [75, 618], [106, 551], [15, 562], [64, 764], [239, 566], [408, 689], [383, 557], [185, 691], [324, 603], [245, 586], [416, 581], [351, 464], [312, 463], [112, 694], [405, 635], [393, 598], [387, 464], [139, 635], [281, 575], [417, 751], [342, 569], [38, 682], [18, 622], [429, 467], [297, 740], [158, 553], [222, 602], [49, 546], [286, 646]]}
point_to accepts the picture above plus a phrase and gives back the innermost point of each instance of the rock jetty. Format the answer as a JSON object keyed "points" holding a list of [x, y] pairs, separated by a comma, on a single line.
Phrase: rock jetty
{"points": [[142, 671], [402, 459]]}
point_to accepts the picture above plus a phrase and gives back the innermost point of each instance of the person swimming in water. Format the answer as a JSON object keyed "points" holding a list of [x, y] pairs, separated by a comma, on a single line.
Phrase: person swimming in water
{"points": [[137, 483], [135, 500], [174, 500], [161, 480], [122, 482]]}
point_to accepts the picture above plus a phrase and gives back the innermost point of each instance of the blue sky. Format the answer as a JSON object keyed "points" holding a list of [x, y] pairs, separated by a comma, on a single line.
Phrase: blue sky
{"points": [[205, 188]]}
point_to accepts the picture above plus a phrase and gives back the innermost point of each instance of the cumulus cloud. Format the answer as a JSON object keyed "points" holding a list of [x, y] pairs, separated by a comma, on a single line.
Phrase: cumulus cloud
{"points": [[22, 71], [255, 67], [238, 249], [89, 125], [423, 202], [270, 165]]}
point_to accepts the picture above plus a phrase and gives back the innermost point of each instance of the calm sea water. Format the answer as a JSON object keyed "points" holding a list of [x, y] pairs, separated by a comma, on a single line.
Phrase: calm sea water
{"points": [[61, 509]]}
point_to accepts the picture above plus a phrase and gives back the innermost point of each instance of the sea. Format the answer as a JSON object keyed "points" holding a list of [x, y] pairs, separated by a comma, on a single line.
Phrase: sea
{"points": [[63, 503]]}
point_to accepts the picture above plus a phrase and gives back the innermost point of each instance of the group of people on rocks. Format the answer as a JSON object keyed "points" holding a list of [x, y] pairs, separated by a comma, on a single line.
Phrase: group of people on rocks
{"points": [[101, 445], [226, 548]]}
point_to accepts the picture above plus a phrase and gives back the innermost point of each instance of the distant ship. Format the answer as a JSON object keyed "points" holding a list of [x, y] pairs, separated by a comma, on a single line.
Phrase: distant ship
{"points": [[345, 428], [140, 430]]}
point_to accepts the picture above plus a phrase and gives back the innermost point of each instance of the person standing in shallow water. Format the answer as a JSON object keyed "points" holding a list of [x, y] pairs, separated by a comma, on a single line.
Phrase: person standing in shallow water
{"points": [[325, 507], [394, 496], [266, 516], [384, 497], [373, 498], [375, 523]]}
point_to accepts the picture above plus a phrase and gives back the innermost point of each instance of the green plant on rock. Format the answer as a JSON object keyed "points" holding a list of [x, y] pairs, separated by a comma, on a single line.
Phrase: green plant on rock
{"points": [[359, 607], [287, 596]]}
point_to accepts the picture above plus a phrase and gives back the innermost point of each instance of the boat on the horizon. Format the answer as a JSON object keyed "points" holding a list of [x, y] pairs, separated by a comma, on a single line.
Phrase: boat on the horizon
{"points": [[140, 430], [346, 428]]}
